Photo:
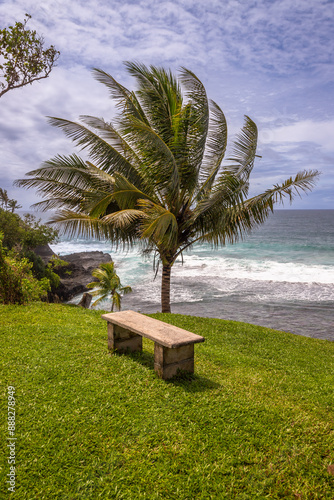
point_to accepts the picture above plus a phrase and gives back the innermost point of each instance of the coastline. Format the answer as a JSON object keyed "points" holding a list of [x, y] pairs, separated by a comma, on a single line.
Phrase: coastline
{"points": [[281, 276]]}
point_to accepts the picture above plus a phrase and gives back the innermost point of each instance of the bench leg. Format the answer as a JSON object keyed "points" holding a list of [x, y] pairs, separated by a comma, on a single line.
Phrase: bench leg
{"points": [[123, 340], [168, 361]]}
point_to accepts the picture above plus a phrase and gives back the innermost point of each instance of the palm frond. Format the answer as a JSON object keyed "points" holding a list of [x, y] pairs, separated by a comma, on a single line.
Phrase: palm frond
{"points": [[95, 293], [102, 152], [196, 93], [159, 225], [72, 203], [161, 166], [68, 182], [198, 123], [126, 194], [303, 181], [100, 180], [160, 95], [215, 148], [131, 169], [63, 169], [80, 224], [125, 99], [218, 222], [226, 193], [244, 150], [99, 204], [123, 219]]}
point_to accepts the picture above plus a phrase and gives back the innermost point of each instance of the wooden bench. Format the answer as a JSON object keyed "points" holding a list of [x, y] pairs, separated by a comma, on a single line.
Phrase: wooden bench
{"points": [[173, 346]]}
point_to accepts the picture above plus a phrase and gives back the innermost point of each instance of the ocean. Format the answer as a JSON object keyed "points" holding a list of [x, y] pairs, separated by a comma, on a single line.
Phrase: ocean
{"points": [[281, 276]]}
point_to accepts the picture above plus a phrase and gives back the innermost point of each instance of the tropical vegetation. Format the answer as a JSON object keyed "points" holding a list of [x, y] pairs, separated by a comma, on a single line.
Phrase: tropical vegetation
{"points": [[158, 174], [24, 277], [18, 285], [25, 233], [109, 284], [7, 203]]}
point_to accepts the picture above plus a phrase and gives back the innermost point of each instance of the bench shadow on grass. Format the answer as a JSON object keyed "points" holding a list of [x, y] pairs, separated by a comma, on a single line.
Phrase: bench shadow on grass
{"points": [[190, 382]]}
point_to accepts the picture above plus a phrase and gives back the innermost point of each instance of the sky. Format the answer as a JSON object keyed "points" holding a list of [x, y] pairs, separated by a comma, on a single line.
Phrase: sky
{"points": [[272, 60]]}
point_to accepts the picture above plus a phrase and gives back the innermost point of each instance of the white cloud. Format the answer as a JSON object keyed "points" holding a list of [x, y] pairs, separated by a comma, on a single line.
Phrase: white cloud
{"points": [[320, 133], [269, 59], [277, 35]]}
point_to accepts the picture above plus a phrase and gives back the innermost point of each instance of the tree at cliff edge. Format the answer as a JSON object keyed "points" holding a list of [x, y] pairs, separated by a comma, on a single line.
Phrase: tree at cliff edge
{"points": [[157, 174]]}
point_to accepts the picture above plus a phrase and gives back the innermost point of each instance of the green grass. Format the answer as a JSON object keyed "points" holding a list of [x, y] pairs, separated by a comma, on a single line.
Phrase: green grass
{"points": [[255, 422]]}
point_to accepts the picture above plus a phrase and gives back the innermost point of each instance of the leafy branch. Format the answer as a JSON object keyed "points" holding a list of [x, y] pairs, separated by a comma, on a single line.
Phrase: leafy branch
{"points": [[23, 59]]}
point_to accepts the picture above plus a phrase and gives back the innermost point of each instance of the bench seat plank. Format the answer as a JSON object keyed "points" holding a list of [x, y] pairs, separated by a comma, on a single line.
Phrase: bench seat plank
{"points": [[163, 333]]}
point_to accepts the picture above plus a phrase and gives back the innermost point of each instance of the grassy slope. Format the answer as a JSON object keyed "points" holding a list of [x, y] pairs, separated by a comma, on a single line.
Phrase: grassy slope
{"points": [[256, 422]]}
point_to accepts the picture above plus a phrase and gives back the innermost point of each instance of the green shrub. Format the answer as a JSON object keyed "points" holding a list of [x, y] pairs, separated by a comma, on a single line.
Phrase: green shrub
{"points": [[24, 267], [40, 270], [24, 233], [17, 282]]}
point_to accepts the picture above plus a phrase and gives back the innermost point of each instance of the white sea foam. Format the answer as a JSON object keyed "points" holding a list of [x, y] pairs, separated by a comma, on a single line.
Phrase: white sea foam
{"points": [[202, 264], [256, 270], [67, 247], [281, 277]]}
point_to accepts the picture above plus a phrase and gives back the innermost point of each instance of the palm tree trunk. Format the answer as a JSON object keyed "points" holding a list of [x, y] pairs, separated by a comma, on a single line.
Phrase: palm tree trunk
{"points": [[165, 288]]}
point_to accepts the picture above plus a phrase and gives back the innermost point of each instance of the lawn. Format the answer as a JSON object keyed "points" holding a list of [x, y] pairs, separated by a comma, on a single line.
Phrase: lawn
{"points": [[255, 422]]}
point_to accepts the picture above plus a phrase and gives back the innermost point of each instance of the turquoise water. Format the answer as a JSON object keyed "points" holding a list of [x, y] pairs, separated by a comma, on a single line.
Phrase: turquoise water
{"points": [[281, 276]]}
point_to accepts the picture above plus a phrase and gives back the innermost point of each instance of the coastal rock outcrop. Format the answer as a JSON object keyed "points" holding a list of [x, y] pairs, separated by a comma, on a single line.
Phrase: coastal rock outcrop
{"points": [[76, 275]]}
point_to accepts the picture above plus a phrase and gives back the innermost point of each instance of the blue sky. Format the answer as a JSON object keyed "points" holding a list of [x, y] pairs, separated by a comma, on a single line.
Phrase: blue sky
{"points": [[271, 60]]}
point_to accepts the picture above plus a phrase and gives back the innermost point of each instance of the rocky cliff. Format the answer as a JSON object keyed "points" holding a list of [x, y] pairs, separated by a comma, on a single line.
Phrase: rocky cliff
{"points": [[76, 275]]}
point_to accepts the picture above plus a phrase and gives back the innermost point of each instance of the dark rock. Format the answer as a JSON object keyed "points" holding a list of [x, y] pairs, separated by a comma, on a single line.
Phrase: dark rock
{"points": [[86, 300], [77, 274], [45, 252], [87, 260]]}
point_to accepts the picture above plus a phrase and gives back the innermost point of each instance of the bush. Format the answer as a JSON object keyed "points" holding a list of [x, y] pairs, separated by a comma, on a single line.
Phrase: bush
{"points": [[40, 270], [24, 234], [23, 275], [17, 283]]}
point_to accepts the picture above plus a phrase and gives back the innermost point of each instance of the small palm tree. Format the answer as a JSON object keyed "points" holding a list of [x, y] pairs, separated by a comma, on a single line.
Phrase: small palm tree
{"points": [[14, 205], [158, 175], [109, 284], [4, 198]]}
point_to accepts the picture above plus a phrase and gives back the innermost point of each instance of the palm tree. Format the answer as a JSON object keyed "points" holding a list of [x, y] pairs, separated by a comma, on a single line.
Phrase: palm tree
{"points": [[4, 198], [14, 205], [109, 284], [158, 175]]}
